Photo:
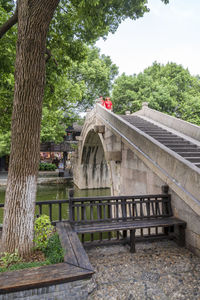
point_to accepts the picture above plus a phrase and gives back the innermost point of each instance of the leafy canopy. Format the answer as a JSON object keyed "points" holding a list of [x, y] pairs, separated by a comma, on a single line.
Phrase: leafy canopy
{"points": [[75, 74], [168, 88]]}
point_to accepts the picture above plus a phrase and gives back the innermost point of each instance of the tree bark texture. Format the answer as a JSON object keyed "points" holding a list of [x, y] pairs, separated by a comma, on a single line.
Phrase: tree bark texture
{"points": [[34, 17]]}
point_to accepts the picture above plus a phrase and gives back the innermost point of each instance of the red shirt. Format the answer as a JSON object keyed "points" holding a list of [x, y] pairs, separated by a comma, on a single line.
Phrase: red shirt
{"points": [[108, 104], [102, 102]]}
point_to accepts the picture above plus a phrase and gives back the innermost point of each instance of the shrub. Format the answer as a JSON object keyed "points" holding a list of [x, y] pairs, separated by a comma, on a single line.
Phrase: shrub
{"points": [[53, 251], [42, 231], [9, 258], [47, 167]]}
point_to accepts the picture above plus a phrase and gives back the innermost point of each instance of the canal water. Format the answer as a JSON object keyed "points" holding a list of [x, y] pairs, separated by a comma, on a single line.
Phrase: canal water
{"points": [[57, 192]]}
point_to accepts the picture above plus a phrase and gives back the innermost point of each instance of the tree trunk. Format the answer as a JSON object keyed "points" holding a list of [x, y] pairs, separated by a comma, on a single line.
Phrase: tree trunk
{"points": [[34, 17]]}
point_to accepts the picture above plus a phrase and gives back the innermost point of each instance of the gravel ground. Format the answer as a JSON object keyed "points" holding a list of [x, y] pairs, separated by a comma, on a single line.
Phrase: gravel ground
{"points": [[159, 270]]}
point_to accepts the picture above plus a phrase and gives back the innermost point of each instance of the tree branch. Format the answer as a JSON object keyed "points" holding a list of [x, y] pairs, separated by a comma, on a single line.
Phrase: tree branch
{"points": [[8, 24], [11, 22], [49, 55]]}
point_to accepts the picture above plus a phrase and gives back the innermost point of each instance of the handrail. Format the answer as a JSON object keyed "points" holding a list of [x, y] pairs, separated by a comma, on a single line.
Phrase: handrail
{"points": [[49, 211], [98, 198]]}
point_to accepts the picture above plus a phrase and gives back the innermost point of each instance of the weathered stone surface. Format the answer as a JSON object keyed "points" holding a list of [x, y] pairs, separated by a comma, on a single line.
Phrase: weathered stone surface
{"points": [[99, 128], [113, 155], [159, 270], [69, 291]]}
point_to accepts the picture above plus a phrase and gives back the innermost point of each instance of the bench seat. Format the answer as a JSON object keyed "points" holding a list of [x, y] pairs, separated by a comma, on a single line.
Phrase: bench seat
{"points": [[127, 225]]}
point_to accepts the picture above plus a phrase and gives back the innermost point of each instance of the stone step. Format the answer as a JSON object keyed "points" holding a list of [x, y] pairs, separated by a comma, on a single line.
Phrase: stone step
{"points": [[158, 132], [177, 144], [164, 135], [193, 159], [189, 154], [149, 128], [181, 143], [171, 139], [184, 148]]}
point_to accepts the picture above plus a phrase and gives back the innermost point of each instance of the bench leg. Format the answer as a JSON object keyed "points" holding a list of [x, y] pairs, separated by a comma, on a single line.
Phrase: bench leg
{"points": [[124, 234], [132, 240], [166, 230], [181, 235]]}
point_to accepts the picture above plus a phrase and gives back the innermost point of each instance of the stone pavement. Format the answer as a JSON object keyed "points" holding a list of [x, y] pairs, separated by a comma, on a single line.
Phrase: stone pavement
{"points": [[159, 270]]}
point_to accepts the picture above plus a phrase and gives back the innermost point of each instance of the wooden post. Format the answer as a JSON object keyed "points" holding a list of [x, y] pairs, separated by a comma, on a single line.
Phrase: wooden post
{"points": [[132, 240], [124, 215], [165, 189], [64, 159], [181, 235], [71, 195]]}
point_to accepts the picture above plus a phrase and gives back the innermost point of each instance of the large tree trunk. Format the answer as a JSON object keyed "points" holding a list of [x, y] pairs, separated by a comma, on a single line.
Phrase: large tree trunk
{"points": [[34, 17]]}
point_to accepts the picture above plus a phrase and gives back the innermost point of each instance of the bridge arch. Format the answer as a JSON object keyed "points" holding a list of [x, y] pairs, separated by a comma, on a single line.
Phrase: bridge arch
{"points": [[91, 169], [95, 170]]}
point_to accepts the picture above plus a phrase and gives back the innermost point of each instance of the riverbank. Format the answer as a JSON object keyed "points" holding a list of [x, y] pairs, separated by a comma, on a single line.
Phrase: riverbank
{"points": [[51, 177]]}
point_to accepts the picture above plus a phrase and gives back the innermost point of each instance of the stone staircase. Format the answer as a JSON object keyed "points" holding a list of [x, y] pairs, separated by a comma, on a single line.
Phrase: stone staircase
{"points": [[183, 147]]}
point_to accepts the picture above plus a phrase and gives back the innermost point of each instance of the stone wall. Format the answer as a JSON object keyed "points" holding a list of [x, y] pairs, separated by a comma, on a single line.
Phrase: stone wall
{"points": [[183, 211], [75, 290], [132, 176]]}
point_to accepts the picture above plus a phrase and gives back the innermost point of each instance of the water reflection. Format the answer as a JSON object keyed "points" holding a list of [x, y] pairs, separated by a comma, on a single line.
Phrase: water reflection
{"points": [[60, 191], [57, 192]]}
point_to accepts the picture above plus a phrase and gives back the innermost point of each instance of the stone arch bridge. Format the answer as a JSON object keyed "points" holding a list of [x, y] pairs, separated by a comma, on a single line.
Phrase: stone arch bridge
{"points": [[138, 153]]}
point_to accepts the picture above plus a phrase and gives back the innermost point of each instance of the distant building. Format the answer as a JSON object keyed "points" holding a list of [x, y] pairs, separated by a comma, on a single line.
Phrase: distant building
{"points": [[50, 151], [59, 153]]}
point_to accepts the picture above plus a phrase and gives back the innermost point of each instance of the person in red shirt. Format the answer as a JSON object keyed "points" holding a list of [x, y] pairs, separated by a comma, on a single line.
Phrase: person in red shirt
{"points": [[102, 102], [108, 103]]}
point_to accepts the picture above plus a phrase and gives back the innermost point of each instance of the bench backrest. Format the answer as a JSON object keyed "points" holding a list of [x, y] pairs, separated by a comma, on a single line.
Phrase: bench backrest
{"points": [[100, 209]]}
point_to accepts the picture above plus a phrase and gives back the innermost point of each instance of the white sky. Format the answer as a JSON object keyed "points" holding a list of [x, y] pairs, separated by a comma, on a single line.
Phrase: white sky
{"points": [[168, 33]]}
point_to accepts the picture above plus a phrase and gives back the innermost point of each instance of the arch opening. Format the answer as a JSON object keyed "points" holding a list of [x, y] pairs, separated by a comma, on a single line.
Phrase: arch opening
{"points": [[95, 171]]}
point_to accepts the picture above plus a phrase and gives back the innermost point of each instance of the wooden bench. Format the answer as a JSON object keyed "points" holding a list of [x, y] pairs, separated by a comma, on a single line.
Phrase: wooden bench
{"points": [[144, 216]]}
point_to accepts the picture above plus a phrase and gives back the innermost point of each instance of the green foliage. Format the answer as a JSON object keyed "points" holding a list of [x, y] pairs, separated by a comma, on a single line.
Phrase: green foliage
{"points": [[97, 73], [9, 258], [74, 146], [53, 251], [47, 167], [168, 88], [24, 265], [73, 89], [75, 73], [4, 143], [7, 58], [87, 20], [42, 232], [7, 5]]}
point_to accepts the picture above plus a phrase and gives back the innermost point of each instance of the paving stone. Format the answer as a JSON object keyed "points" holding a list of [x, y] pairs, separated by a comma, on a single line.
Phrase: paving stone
{"points": [[159, 270]]}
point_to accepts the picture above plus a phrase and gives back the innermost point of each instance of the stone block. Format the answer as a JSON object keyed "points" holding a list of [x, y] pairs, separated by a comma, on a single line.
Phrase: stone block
{"points": [[113, 156], [99, 128]]}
